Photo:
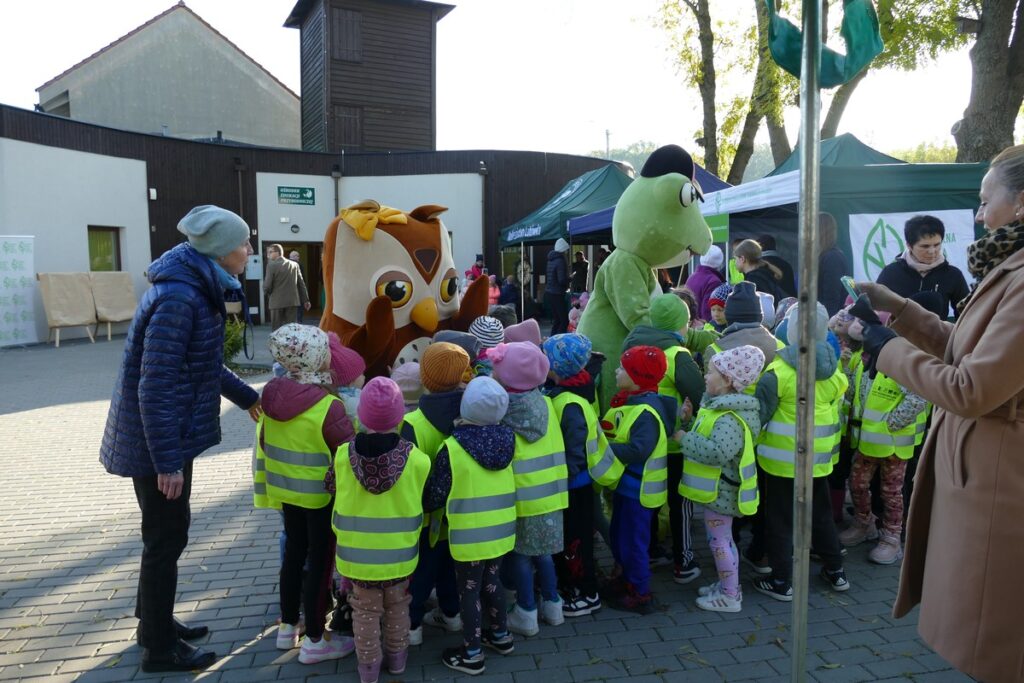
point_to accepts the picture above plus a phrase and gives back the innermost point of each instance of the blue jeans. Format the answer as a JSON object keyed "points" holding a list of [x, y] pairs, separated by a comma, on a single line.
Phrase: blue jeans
{"points": [[435, 569], [517, 572]]}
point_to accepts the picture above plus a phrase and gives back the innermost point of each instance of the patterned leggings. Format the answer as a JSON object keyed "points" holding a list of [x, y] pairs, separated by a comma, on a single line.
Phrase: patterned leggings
{"points": [[893, 472], [478, 588], [372, 605], [723, 549]]}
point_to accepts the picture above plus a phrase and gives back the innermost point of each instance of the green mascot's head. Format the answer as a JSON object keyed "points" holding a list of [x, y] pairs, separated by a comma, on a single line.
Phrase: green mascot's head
{"points": [[658, 218]]}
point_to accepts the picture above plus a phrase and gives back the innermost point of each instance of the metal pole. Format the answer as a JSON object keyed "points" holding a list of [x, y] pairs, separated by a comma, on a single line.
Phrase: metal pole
{"points": [[803, 483], [519, 277]]}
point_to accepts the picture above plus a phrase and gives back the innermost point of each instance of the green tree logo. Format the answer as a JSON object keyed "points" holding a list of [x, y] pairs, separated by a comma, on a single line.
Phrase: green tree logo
{"points": [[882, 243]]}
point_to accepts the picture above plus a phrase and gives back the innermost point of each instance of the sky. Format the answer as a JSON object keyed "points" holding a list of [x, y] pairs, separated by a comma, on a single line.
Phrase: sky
{"points": [[546, 75]]}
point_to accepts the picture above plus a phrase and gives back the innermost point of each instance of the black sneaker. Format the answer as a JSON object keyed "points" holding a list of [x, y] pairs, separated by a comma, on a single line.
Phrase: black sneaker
{"points": [[659, 555], [686, 573], [503, 645], [836, 579], [457, 658], [579, 605], [777, 590]]}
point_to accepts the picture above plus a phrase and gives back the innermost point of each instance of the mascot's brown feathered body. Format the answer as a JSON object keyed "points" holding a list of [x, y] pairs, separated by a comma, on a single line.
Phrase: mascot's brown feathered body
{"points": [[390, 281]]}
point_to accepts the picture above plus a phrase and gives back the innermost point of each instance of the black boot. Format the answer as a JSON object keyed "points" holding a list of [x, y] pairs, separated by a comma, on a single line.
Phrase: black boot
{"points": [[182, 657]]}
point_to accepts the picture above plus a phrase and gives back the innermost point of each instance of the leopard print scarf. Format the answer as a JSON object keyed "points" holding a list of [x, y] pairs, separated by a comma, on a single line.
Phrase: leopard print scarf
{"points": [[985, 254]]}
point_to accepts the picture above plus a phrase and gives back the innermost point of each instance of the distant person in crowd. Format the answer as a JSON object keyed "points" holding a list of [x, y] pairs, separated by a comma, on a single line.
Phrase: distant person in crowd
{"points": [[665, 281], [166, 411], [556, 284], [476, 270], [832, 266], [493, 291], [768, 252], [511, 294], [765, 276], [922, 266], [296, 258], [963, 550], [580, 270], [602, 254], [706, 279], [284, 287]]}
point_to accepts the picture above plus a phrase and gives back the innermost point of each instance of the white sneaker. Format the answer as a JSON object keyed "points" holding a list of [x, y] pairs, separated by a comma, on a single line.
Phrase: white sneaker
{"points": [[522, 621], [551, 612], [716, 587], [416, 635], [288, 635], [436, 617], [331, 646], [719, 602]]}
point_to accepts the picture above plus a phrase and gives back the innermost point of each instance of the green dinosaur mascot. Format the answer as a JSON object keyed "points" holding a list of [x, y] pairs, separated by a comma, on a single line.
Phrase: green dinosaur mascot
{"points": [[657, 222]]}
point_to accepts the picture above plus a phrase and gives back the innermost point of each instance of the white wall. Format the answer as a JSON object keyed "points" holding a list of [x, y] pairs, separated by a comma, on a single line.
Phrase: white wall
{"points": [[55, 194], [462, 193]]}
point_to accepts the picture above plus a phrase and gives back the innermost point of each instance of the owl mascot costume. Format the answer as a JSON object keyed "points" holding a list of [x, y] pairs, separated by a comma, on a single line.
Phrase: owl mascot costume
{"points": [[391, 283], [657, 223]]}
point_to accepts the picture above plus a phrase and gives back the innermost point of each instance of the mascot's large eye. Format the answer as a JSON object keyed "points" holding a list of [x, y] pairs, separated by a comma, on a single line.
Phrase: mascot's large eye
{"points": [[395, 286], [449, 285], [688, 194]]}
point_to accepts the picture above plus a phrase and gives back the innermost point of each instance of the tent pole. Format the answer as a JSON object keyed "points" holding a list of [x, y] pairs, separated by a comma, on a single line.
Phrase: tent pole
{"points": [[810, 176], [519, 276]]}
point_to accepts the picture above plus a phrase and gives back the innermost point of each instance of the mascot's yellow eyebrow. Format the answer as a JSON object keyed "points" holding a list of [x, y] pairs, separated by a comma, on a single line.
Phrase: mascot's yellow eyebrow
{"points": [[364, 220]]}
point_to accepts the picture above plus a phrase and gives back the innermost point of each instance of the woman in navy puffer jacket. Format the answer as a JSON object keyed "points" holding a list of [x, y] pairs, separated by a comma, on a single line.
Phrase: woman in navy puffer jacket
{"points": [[166, 411]]}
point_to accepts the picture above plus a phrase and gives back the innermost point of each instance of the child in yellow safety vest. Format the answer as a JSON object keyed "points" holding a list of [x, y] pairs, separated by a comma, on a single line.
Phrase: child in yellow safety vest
{"points": [[776, 456], [850, 361], [378, 514], [636, 426], [719, 470], [716, 304], [303, 425], [473, 484], [891, 423]]}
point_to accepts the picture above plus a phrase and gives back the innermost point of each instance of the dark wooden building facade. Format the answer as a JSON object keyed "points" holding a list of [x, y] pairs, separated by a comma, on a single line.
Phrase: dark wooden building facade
{"points": [[368, 71]]}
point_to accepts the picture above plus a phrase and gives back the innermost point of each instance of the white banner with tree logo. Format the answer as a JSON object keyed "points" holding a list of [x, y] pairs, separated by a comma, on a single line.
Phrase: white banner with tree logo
{"points": [[17, 285], [877, 238]]}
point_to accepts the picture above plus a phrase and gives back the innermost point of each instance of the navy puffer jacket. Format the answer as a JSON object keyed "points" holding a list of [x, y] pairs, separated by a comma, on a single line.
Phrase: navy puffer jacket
{"points": [[166, 405]]}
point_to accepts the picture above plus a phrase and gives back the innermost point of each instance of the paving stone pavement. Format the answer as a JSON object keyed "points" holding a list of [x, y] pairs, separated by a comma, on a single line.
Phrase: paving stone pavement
{"points": [[69, 555]]}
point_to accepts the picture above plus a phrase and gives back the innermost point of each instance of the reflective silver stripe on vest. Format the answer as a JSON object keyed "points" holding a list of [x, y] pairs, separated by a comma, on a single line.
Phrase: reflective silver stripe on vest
{"points": [[539, 491], [655, 487], [377, 525], [748, 495], [748, 471], [462, 506], [591, 446], [875, 415], [539, 463], [604, 464], [289, 457], [295, 485], [377, 555], [788, 457], [699, 483], [886, 439], [260, 489], [260, 465], [785, 429], [484, 534]]}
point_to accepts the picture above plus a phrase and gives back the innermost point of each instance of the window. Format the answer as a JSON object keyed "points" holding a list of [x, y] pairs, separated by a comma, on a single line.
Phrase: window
{"points": [[104, 248], [347, 41]]}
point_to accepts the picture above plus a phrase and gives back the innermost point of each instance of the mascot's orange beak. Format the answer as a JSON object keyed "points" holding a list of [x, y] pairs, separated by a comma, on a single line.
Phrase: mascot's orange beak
{"points": [[424, 314]]}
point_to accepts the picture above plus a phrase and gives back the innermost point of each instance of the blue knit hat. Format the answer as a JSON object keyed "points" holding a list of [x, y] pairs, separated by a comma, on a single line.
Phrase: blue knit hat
{"points": [[567, 353], [720, 295], [213, 231]]}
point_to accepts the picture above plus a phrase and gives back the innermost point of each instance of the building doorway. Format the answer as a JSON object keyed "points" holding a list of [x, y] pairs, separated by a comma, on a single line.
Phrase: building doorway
{"points": [[309, 260]]}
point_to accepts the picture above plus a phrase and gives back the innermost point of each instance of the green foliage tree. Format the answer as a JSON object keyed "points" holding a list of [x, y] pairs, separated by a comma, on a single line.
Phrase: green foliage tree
{"points": [[926, 153]]}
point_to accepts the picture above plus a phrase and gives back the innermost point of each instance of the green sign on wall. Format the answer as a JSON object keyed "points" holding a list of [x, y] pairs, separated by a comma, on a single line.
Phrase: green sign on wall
{"points": [[719, 224], [296, 195]]}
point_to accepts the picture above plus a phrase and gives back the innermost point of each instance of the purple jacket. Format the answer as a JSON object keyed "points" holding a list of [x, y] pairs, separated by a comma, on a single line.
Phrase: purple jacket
{"points": [[704, 281]]}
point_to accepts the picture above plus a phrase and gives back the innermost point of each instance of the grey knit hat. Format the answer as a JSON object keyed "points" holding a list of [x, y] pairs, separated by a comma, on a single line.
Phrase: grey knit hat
{"points": [[213, 231]]}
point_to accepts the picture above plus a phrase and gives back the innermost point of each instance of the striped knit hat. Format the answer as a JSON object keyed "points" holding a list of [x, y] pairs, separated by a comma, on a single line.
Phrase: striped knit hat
{"points": [[488, 330]]}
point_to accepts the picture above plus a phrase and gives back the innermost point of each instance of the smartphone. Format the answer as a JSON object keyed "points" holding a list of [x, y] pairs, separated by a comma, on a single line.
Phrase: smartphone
{"points": [[850, 286]]}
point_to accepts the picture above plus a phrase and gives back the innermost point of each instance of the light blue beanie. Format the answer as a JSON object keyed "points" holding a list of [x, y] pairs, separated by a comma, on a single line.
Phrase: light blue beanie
{"points": [[484, 402], [213, 231]]}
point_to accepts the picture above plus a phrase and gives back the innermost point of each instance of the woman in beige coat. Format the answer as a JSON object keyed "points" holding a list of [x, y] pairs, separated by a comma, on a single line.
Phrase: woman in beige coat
{"points": [[965, 533]]}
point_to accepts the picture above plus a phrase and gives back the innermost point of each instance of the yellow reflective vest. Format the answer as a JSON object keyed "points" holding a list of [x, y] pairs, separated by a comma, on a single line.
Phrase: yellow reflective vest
{"points": [[542, 479], [776, 447], [653, 485], [667, 387], [260, 498], [597, 444], [481, 508], [875, 438], [699, 482], [848, 414], [379, 534], [297, 458]]}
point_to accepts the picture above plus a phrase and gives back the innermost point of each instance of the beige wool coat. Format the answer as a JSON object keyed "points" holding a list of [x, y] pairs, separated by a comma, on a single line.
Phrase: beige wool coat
{"points": [[283, 284], [965, 532]]}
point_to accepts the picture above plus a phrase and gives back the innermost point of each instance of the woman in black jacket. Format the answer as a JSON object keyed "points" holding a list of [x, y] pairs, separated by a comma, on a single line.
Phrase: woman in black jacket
{"points": [[764, 276]]}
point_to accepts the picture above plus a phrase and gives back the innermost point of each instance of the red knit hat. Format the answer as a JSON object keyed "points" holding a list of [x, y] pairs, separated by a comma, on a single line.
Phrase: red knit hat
{"points": [[645, 365]]}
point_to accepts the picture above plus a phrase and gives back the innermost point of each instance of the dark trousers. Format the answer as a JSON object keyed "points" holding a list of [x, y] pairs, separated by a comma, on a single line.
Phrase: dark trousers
{"points": [[435, 569], [559, 311], [680, 513], [778, 517], [479, 591], [757, 548], [281, 316], [631, 539], [576, 562], [164, 536], [309, 537]]}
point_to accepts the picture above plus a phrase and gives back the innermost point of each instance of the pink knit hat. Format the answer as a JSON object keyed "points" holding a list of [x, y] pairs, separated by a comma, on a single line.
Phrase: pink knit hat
{"points": [[526, 331], [519, 366], [346, 364], [381, 406], [741, 365]]}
